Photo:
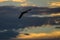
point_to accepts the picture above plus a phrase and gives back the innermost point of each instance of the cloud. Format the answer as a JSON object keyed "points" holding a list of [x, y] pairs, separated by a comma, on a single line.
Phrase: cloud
{"points": [[55, 14], [3, 0], [54, 34], [54, 4], [36, 32], [27, 4], [3, 30], [24, 3], [39, 16], [19, 0], [14, 0]]}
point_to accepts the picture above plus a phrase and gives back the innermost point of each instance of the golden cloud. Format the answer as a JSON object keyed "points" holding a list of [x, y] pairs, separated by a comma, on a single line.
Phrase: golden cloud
{"points": [[27, 4], [24, 3], [19, 0], [3, 0], [54, 34], [53, 14], [54, 4]]}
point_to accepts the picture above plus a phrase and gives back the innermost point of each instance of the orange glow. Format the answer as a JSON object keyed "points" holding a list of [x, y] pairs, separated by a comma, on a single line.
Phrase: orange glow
{"points": [[19, 0], [24, 4], [57, 14], [40, 35], [54, 4], [3, 0], [27, 4]]}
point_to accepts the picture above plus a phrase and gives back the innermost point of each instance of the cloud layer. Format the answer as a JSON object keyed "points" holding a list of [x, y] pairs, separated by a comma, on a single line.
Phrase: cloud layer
{"points": [[39, 33], [54, 34], [14, 0], [27, 4], [19, 0], [3, 0], [54, 4], [22, 2]]}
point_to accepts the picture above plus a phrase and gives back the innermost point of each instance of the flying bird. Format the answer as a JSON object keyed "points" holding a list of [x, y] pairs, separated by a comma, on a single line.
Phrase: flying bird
{"points": [[24, 13]]}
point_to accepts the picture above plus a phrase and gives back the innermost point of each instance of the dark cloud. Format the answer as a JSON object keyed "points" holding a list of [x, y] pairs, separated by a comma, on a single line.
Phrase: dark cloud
{"points": [[9, 19]]}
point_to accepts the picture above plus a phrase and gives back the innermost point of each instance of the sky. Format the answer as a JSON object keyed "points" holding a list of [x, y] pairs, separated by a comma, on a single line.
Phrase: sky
{"points": [[40, 3]]}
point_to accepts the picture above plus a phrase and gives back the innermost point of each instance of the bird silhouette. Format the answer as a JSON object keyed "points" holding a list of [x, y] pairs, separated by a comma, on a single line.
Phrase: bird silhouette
{"points": [[24, 13]]}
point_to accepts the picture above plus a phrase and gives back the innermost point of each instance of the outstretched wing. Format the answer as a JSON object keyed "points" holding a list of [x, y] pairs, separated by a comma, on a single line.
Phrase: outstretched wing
{"points": [[23, 13]]}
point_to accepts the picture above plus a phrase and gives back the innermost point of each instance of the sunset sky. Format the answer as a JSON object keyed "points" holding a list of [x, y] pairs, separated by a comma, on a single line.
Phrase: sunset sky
{"points": [[39, 32], [40, 3]]}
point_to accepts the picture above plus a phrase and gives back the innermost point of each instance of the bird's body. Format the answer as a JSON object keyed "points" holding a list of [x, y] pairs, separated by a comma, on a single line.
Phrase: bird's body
{"points": [[23, 13]]}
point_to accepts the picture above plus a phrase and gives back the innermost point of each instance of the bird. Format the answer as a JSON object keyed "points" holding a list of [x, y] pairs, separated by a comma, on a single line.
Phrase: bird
{"points": [[22, 13]]}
